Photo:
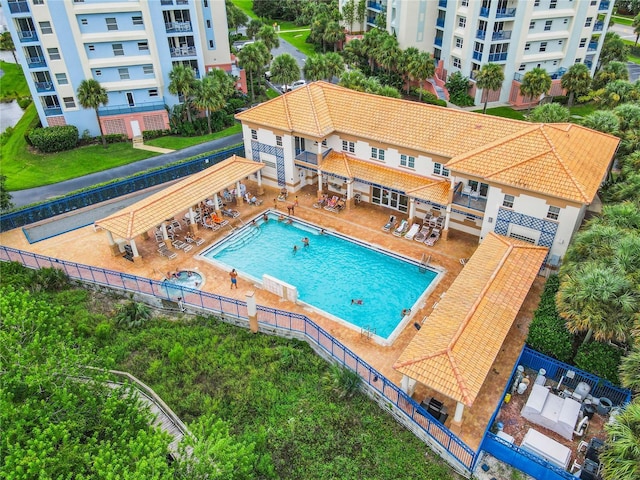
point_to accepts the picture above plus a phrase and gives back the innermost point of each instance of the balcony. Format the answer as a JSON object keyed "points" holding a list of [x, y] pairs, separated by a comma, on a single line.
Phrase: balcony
{"points": [[42, 87], [506, 13], [470, 199], [477, 56], [26, 36], [598, 26], [440, 22], [498, 57], [484, 12], [182, 2], [604, 6], [518, 77], [377, 6], [51, 111], [481, 34], [442, 3], [371, 20], [36, 62], [588, 63], [183, 51], [126, 109], [19, 7], [502, 35], [438, 41], [593, 46], [166, 2], [177, 27]]}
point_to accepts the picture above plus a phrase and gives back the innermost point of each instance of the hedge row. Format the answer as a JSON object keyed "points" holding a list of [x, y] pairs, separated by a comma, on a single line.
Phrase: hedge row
{"points": [[54, 139]]}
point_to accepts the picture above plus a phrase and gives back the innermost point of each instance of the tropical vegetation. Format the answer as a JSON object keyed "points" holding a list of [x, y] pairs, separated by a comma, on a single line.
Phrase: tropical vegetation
{"points": [[93, 95]]}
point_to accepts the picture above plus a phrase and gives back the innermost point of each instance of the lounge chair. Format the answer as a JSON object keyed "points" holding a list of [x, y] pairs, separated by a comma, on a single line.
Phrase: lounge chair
{"points": [[175, 225], [219, 220], [440, 222], [422, 235], [331, 204], [197, 240], [339, 206], [402, 228], [412, 231], [227, 212], [207, 222], [179, 244], [165, 252], [390, 223], [433, 221], [433, 238]]}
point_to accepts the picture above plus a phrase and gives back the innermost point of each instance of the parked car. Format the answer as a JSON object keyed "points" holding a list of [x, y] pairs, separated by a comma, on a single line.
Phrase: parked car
{"points": [[294, 85], [242, 45]]}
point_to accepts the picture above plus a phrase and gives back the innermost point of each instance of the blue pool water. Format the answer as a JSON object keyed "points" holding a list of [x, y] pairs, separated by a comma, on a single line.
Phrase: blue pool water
{"points": [[182, 278], [329, 273]]}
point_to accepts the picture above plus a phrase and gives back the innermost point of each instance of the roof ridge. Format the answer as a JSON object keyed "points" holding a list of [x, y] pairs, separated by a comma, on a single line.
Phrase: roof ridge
{"points": [[313, 106], [285, 104], [460, 378], [422, 358]]}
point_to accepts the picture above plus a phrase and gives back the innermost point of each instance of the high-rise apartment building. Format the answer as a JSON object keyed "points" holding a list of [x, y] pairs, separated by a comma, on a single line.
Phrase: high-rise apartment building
{"points": [[520, 35], [128, 46]]}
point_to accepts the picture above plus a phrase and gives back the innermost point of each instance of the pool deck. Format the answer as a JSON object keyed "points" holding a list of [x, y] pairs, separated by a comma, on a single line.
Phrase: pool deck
{"points": [[363, 222]]}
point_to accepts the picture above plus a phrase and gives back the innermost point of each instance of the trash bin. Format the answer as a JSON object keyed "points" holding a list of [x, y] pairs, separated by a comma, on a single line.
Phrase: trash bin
{"points": [[604, 406]]}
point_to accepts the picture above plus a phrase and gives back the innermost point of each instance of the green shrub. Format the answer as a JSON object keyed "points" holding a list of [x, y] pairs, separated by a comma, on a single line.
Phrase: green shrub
{"points": [[35, 123], [547, 332], [458, 87], [601, 359], [4, 137], [54, 139], [151, 134], [24, 102], [428, 97], [176, 355], [103, 331], [116, 138]]}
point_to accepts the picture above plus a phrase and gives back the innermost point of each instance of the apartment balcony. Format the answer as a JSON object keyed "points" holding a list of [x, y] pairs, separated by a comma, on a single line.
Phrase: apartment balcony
{"points": [[183, 51], [588, 63], [498, 57], [376, 6], [126, 109], [518, 77], [593, 46], [42, 87], [182, 2], [506, 13], [502, 35], [598, 26], [19, 7], [440, 22], [604, 6], [484, 12], [311, 157], [166, 2], [27, 36], [178, 27], [470, 199], [477, 56], [36, 62], [481, 34], [438, 41], [371, 20], [52, 111], [442, 3]]}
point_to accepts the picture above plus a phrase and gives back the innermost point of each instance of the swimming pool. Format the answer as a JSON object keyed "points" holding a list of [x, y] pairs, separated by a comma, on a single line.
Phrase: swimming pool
{"points": [[182, 278], [331, 272]]}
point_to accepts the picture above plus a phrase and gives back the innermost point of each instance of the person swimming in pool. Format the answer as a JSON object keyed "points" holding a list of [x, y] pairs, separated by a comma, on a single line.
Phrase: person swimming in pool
{"points": [[356, 301], [305, 241]]}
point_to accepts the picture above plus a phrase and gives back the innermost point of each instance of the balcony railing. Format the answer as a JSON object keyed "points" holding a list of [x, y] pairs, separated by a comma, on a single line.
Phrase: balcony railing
{"points": [[182, 2], [44, 86], [502, 35], [166, 2], [19, 7], [442, 3], [438, 41], [588, 63], [50, 111], [440, 22], [604, 6], [477, 56], [598, 27], [498, 57], [593, 46], [377, 6], [183, 51], [518, 77], [484, 12], [36, 62], [126, 109], [371, 20], [174, 27], [28, 36], [505, 13], [481, 34]]}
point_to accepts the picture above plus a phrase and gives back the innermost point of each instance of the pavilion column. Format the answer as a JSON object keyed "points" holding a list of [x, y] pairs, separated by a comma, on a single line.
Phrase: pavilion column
{"points": [[459, 411], [216, 202], [412, 210], [239, 198], [163, 229], [408, 385], [252, 312], [259, 178], [192, 221], [115, 250], [447, 218], [320, 183], [349, 193], [134, 248]]}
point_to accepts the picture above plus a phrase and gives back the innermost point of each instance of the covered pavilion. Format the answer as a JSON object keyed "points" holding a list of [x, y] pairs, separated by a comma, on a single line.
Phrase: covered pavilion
{"points": [[452, 353], [157, 209]]}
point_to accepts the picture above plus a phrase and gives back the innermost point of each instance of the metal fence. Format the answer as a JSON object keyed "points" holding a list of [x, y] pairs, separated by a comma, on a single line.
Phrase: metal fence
{"points": [[402, 406], [92, 196]]}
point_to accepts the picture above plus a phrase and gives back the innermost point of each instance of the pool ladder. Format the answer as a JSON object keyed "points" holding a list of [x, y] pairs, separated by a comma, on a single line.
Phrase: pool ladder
{"points": [[242, 240], [367, 331]]}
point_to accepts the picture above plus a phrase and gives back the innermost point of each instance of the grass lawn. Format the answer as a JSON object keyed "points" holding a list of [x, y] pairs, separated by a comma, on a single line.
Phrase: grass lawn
{"points": [[622, 20], [298, 40], [506, 112], [583, 110], [271, 93], [178, 143], [13, 83], [246, 6]]}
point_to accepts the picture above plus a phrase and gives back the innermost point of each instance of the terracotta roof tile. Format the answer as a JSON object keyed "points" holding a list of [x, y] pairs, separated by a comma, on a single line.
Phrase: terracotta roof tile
{"points": [[452, 353]]}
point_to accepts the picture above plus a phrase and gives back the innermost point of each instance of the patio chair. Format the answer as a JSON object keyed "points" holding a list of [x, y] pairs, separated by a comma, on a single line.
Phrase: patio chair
{"points": [[402, 228], [207, 222], [412, 231], [422, 235], [175, 225], [339, 206], [331, 204], [219, 220], [227, 212], [196, 240], [165, 252], [179, 244], [433, 238], [390, 223], [440, 222], [433, 221]]}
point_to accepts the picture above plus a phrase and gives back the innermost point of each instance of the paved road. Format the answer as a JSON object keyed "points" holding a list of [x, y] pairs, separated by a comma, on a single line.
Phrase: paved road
{"points": [[33, 195]]}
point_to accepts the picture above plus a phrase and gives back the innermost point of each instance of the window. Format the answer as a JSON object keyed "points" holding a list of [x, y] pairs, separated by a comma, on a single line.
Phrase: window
{"points": [[137, 20], [210, 43], [377, 154], [440, 169], [464, 3], [522, 67], [98, 73], [565, 21], [254, 134], [553, 4], [583, 42], [532, 25], [536, 3], [588, 22], [112, 24], [69, 102], [508, 201], [527, 46], [593, 2], [578, 60], [553, 213], [555, 62], [143, 46], [147, 69], [407, 161], [560, 42], [459, 42], [38, 2], [324, 142], [543, 47], [153, 92], [547, 25], [61, 78], [278, 140], [208, 23], [45, 28], [84, 21], [456, 62], [91, 48], [54, 53], [348, 146], [124, 73], [117, 49], [462, 22]]}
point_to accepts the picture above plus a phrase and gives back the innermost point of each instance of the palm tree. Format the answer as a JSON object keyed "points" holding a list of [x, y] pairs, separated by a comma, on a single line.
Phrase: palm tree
{"points": [[93, 95], [389, 91], [613, 49], [621, 455], [209, 96], [361, 12], [335, 65], [388, 53], [371, 42], [550, 113], [636, 28], [182, 82], [285, 69], [132, 314], [349, 13], [408, 56], [354, 53], [602, 120], [630, 369], [421, 68], [334, 33], [253, 28], [252, 58], [534, 83], [576, 80], [6, 43], [490, 77], [269, 37], [610, 72], [353, 80], [315, 68]]}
